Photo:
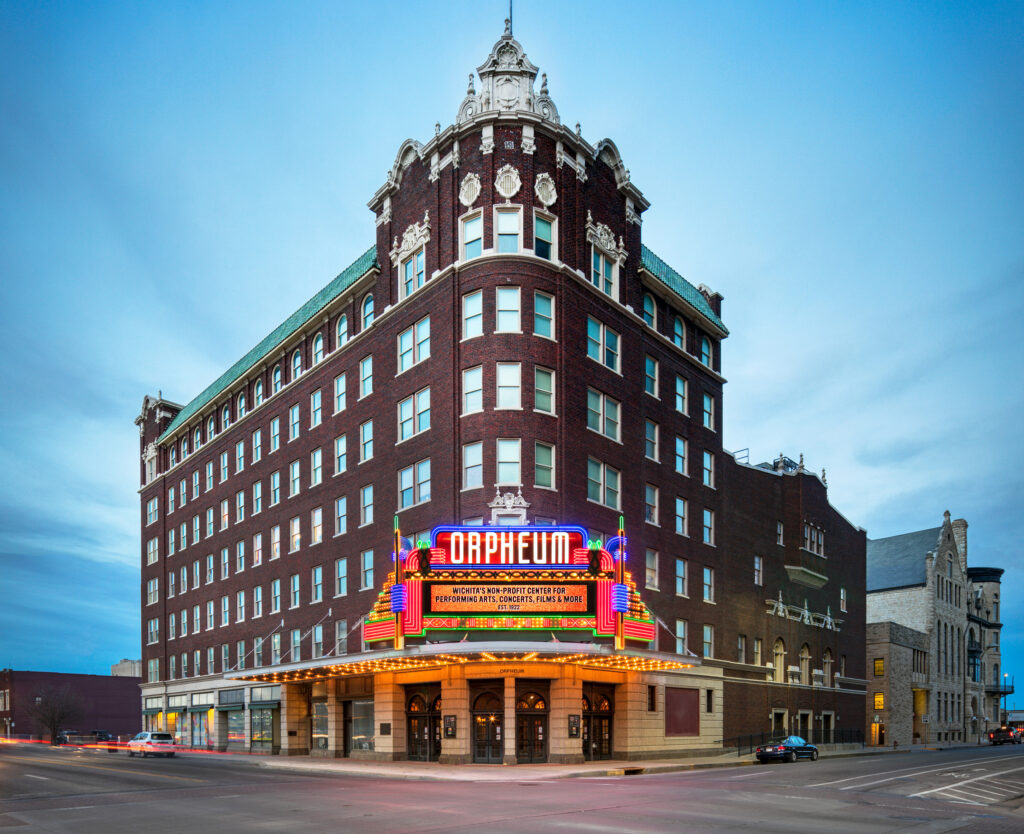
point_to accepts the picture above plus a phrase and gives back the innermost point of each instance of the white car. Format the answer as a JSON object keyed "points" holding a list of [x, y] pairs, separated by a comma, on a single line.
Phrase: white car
{"points": [[156, 744]]}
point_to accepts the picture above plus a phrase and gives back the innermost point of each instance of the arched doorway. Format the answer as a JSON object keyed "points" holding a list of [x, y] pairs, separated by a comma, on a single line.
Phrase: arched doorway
{"points": [[597, 723], [488, 716], [423, 726], [531, 728]]}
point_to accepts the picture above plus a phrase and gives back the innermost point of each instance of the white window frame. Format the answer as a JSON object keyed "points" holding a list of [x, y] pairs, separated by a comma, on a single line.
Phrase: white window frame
{"points": [[476, 466], [477, 318], [464, 242], [507, 210], [502, 295], [504, 445], [508, 380]]}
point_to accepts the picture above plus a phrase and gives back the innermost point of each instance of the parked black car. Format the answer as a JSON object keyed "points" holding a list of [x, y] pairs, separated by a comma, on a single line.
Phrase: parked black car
{"points": [[788, 749], [102, 735]]}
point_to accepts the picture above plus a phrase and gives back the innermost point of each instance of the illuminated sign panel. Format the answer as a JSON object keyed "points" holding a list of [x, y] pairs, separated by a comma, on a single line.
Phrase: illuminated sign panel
{"points": [[506, 547], [507, 598]]}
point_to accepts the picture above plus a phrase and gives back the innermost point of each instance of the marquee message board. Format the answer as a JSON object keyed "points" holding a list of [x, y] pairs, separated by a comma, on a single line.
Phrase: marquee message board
{"points": [[506, 578]]}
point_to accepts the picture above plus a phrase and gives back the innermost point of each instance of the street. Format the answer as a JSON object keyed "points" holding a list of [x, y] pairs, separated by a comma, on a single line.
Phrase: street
{"points": [[62, 789]]}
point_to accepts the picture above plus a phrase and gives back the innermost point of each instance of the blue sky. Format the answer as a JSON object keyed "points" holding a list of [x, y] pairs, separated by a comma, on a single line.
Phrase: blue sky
{"points": [[175, 179]]}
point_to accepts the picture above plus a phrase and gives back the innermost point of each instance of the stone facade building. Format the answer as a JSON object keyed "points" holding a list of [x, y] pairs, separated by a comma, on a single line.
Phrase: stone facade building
{"points": [[922, 581], [508, 356]]}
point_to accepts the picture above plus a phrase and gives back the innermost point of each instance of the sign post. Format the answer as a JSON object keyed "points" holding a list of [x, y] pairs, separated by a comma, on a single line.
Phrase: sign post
{"points": [[399, 583]]}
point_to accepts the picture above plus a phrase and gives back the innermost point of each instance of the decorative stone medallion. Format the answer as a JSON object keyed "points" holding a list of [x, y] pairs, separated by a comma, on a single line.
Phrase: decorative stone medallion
{"points": [[508, 182], [544, 188], [469, 190]]}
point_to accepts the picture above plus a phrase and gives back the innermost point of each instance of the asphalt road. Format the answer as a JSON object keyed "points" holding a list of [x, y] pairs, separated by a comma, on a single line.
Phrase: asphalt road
{"points": [[43, 789]]}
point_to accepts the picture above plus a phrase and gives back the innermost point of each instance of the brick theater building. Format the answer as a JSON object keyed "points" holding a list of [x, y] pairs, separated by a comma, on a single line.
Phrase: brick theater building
{"points": [[516, 396]]}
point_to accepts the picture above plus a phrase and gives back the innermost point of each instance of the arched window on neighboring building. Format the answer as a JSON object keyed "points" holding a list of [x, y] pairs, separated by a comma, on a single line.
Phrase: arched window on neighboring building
{"points": [[318, 349], [779, 660], [342, 329], [826, 667], [197, 438], [648, 309], [367, 310], [276, 377], [184, 447], [705, 350], [297, 364], [211, 427], [679, 333], [257, 393], [241, 404], [225, 416], [805, 665]]}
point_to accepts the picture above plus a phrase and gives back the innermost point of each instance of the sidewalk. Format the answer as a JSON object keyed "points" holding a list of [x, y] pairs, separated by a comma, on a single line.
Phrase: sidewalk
{"points": [[432, 771]]}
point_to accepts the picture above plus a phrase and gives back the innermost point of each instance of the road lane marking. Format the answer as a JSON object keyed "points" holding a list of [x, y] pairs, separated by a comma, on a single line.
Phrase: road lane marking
{"points": [[956, 785], [904, 770], [33, 776], [748, 775], [101, 767]]}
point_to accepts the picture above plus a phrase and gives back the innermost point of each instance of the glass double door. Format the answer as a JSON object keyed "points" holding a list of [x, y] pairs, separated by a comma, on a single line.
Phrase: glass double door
{"points": [[424, 738], [531, 739], [598, 706], [488, 744]]}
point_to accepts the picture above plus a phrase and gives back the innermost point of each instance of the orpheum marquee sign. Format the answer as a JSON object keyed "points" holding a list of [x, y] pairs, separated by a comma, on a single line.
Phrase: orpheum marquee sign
{"points": [[512, 579]]}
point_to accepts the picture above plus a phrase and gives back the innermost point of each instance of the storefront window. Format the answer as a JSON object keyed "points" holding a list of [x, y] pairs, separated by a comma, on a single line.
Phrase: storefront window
{"points": [[362, 725], [236, 727], [319, 722]]}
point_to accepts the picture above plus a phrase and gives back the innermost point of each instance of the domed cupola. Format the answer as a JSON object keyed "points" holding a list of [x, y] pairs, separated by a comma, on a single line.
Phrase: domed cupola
{"points": [[506, 84]]}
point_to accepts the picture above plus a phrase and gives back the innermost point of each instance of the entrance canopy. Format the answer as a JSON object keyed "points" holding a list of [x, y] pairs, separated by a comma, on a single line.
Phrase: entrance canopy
{"points": [[437, 655]]}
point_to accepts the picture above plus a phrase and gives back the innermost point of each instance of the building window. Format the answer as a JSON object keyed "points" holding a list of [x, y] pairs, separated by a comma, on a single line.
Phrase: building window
{"points": [[414, 344], [681, 637], [842, 599], [709, 469], [681, 578], [602, 272], [779, 661], [413, 273], [414, 484], [678, 333], [472, 315], [508, 377], [878, 700], [257, 555], [778, 532], [209, 475], [225, 610], [709, 584], [339, 393], [709, 641], [414, 414], [648, 309], [472, 465], [602, 344], [314, 409], [757, 651], [315, 467], [651, 562], [472, 390], [543, 315], [340, 454], [507, 310], [741, 648], [296, 649], [602, 483], [759, 570], [543, 390], [275, 596], [276, 379], [651, 504], [650, 439], [602, 414], [318, 348], [240, 606], [366, 505], [275, 489], [294, 534], [879, 665], [709, 527], [365, 376], [366, 570], [293, 422], [340, 577], [294, 591], [508, 471], [543, 237], [341, 331], [709, 412], [680, 517], [681, 404], [316, 521], [152, 551], [651, 376], [257, 450], [294, 477], [341, 637], [275, 435], [544, 465], [152, 510], [275, 648], [814, 539], [340, 515], [367, 311], [705, 350], [366, 441], [507, 230], [680, 455], [472, 237], [317, 583]]}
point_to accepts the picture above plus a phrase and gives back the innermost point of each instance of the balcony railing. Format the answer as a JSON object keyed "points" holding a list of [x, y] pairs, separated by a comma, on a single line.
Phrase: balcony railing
{"points": [[1000, 690]]}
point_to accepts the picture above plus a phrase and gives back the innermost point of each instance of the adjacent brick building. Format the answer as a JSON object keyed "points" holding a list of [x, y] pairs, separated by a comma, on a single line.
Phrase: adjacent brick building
{"points": [[508, 352]]}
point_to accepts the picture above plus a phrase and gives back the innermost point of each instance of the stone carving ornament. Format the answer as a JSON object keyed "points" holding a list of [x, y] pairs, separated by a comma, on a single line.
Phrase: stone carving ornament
{"points": [[469, 190], [508, 182], [413, 238], [544, 188]]}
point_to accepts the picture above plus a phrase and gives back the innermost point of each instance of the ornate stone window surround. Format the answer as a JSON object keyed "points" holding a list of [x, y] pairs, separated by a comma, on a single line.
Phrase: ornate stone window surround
{"points": [[602, 241], [414, 243]]}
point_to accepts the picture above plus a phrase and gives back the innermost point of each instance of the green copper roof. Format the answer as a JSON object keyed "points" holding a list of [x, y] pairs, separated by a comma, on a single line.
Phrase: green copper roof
{"points": [[679, 285], [346, 279]]}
